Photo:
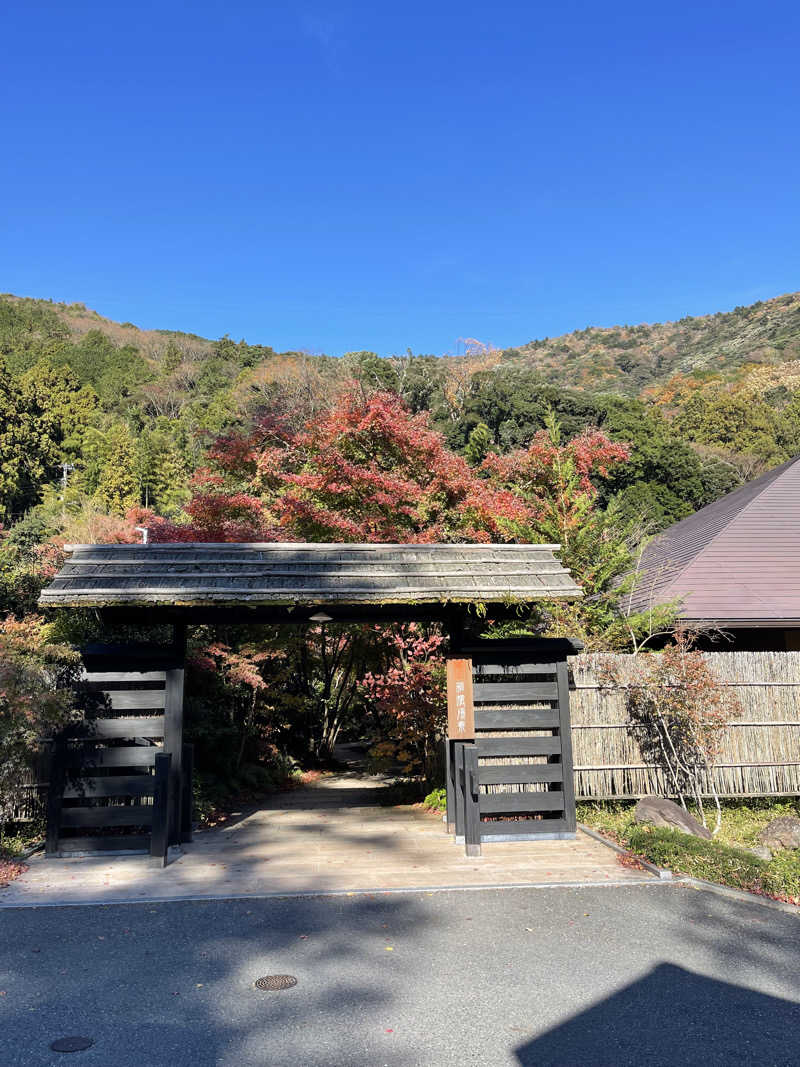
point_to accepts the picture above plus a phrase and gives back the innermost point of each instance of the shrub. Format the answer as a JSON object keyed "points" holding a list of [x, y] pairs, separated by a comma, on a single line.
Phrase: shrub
{"points": [[697, 857], [36, 700], [213, 795], [679, 712], [436, 800]]}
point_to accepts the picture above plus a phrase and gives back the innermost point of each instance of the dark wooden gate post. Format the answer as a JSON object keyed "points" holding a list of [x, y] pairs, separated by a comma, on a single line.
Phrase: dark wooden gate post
{"points": [[188, 793], [459, 787], [159, 831], [565, 736], [451, 785], [472, 814], [173, 731], [55, 794]]}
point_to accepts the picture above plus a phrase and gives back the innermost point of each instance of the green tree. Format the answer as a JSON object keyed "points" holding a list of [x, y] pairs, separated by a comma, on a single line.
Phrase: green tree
{"points": [[29, 330], [371, 371], [114, 372], [162, 468], [514, 402], [789, 428], [665, 479], [14, 443], [737, 422], [118, 488], [60, 410], [480, 441]]}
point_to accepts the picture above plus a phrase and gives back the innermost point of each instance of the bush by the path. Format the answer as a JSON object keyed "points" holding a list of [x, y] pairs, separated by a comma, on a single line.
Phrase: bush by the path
{"points": [[726, 859], [697, 857]]}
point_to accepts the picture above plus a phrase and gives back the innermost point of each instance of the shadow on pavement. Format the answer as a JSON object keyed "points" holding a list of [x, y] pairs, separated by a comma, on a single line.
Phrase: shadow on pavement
{"points": [[158, 985], [674, 1016]]}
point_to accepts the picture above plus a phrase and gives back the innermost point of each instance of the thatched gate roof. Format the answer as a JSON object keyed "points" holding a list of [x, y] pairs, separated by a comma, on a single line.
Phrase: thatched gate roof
{"points": [[286, 575]]}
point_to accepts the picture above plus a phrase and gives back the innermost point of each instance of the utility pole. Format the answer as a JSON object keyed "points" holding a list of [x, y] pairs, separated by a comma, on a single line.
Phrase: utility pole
{"points": [[66, 470]]}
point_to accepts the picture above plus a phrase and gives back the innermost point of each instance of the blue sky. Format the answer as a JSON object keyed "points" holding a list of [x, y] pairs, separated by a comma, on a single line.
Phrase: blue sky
{"points": [[336, 176]]}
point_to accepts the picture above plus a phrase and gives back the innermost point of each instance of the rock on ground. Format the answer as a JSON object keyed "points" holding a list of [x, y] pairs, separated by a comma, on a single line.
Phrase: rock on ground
{"points": [[783, 832], [658, 811]]}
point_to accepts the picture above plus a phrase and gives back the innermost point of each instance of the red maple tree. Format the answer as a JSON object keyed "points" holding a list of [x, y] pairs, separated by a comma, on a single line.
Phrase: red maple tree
{"points": [[366, 471]]}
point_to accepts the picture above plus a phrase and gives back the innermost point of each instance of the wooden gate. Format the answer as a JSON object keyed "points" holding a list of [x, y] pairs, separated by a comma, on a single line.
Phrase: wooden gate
{"points": [[122, 781], [513, 781]]}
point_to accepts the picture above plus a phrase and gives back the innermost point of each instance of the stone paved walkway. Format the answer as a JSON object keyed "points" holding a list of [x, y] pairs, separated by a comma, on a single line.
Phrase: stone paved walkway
{"points": [[331, 837]]}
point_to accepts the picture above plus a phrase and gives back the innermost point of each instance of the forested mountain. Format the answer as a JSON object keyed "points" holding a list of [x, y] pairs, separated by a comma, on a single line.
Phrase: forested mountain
{"points": [[626, 359], [97, 417], [631, 358]]}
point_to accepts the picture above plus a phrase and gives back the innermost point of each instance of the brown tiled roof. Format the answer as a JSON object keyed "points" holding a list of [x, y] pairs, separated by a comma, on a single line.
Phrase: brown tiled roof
{"points": [[293, 574], [736, 561]]}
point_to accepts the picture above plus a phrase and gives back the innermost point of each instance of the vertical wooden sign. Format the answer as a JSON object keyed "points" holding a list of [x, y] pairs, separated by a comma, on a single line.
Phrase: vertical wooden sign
{"points": [[460, 707]]}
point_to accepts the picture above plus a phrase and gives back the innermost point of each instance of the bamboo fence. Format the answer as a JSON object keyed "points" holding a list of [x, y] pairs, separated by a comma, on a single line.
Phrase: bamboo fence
{"points": [[760, 754]]}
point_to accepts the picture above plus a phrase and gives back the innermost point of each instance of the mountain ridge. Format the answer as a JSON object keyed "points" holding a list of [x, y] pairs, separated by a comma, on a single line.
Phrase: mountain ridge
{"points": [[624, 358]]}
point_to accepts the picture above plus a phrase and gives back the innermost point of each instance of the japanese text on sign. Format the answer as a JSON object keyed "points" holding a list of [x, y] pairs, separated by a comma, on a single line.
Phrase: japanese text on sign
{"points": [[460, 711]]}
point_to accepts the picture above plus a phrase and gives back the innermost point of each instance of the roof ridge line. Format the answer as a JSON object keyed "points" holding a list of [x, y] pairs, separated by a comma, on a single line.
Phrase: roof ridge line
{"points": [[303, 545]]}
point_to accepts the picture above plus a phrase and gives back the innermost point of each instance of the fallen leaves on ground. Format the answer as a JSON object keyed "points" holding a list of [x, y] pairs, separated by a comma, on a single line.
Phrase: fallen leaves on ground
{"points": [[9, 870], [627, 859]]}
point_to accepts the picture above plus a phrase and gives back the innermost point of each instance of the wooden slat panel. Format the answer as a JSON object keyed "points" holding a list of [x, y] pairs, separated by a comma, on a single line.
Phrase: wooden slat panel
{"points": [[521, 774], [134, 677], [522, 802], [518, 746], [126, 726], [131, 700], [528, 691], [104, 844], [133, 815], [511, 669], [516, 719], [523, 826], [124, 756], [121, 785]]}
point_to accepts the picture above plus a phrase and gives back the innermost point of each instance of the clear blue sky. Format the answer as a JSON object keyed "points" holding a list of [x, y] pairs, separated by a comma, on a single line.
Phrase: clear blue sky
{"points": [[337, 176]]}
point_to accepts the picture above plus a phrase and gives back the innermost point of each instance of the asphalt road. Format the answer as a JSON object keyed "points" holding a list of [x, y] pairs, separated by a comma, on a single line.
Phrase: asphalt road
{"points": [[651, 975]]}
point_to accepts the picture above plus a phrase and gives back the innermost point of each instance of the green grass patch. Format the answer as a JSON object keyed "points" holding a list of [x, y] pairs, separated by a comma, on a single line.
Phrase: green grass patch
{"points": [[782, 876], [743, 820], [697, 857], [725, 859]]}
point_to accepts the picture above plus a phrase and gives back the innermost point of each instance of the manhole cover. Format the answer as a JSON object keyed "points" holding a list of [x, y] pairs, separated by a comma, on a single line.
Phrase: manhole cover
{"points": [[72, 1044], [272, 982]]}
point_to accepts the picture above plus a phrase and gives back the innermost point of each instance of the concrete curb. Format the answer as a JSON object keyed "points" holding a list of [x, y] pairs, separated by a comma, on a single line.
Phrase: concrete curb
{"points": [[738, 894], [282, 894], [660, 872]]}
